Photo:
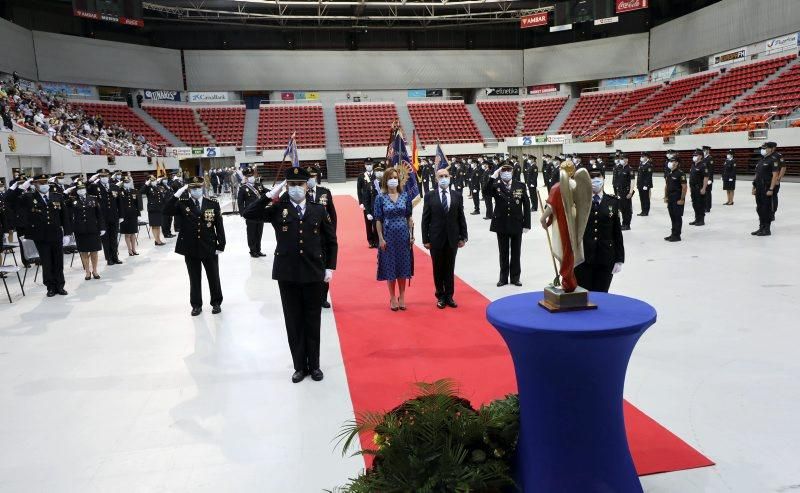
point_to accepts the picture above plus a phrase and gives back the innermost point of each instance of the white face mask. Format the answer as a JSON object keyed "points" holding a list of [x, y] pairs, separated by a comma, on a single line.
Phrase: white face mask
{"points": [[297, 193], [312, 182], [671, 166], [81, 192], [251, 180], [104, 180], [763, 152], [642, 159], [592, 161], [379, 174], [444, 182], [597, 184], [196, 193], [505, 176], [392, 182], [730, 157], [43, 189], [696, 159]]}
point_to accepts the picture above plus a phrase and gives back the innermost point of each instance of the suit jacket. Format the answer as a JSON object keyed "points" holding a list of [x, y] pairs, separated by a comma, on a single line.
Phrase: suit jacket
{"points": [[306, 246], [442, 229], [512, 209], [602, 239], [155, 199], [48, 222], [108, 199], [202, 232]]}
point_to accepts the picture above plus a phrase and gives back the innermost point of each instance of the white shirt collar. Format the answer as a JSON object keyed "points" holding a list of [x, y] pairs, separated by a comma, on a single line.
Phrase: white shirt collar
{"points": [[598, 194]]}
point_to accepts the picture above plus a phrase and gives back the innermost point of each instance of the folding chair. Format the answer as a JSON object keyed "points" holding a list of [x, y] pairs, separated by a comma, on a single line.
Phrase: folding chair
{"points": [[8, 248], [32, 255], [146, 225], [5, 270], [71, 248]]}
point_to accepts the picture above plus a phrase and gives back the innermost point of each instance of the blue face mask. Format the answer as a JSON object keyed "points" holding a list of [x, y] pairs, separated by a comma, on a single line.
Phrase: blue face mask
{"points": [[297, 194], [196, 193], [444, 183], [505, 176], [43, 189]]}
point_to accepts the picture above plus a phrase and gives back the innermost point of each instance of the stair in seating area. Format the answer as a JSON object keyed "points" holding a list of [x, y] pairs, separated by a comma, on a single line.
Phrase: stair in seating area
{"points": [[203, 127], [562, 116], [250, 139], [157, 126], [480, 122], [334, 162]]}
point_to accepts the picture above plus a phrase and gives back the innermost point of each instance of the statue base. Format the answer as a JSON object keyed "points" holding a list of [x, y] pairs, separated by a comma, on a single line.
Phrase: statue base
{"points": [[557, 300]]}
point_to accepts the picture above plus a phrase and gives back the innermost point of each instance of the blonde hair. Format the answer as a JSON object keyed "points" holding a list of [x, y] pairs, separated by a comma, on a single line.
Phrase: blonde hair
{"points": [[385, 179]]}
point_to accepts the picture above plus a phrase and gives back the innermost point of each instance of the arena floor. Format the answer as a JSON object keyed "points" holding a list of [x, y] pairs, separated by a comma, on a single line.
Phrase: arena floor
{"points": [[116, 388]]}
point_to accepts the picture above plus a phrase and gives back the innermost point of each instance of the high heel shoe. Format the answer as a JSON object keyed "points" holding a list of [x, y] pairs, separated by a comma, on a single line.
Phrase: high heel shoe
{"points": [[96, 275], [88, 278], [136, 253], [401, 306], [393, 307]]}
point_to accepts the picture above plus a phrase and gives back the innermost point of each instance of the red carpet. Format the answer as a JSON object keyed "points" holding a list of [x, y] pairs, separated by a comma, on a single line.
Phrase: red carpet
{"points": [[385, 352]]}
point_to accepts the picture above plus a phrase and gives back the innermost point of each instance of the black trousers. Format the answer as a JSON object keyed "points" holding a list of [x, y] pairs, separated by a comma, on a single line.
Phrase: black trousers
{"points": [[176, 222], [675, 217], [534, 198], [698, 204], [444, 263], [625, 208], [372, 233], [644, 200], [302, 307], [708, 196], [594, 277], [426, 185], [211, 265], [489, 206], [166, 224], [476, 200], [255, 230], [51, 254], [764, 207], [775, 200], [510, 247], [109, 241]]}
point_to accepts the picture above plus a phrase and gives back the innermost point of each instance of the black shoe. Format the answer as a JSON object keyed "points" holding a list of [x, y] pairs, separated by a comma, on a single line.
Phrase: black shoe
{"points": [[196, 311], [641, 214], [669, 238], [487, 218], [316, 375], [254, 255], [261, 254], [440, 304], [673, 239], [216, 309], [298, 376], [625, 227], [700, 223], [764, 232], [50, 293], [61, 292], [501, 283], [372, 245], [516, 283], [757, 232], [474, 213], [118, 261], [325, 304], [451, 303]]}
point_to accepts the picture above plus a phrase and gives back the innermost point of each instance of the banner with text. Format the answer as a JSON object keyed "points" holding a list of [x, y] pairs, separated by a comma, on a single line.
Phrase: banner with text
{"points": [[68, 89], [208, 97], [728, 57], [788, 42], [502, 91], [543, 89], [533, 20], [158, 95], [179, 152], [540, 140], [631, 5], [206, 151]]}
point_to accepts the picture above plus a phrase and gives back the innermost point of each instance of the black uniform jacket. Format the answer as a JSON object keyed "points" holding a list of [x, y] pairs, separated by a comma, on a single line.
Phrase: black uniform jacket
{"points": [[108, 199], [48, 222], [306, 246], [512, 210], [324, 197], [602, 240], [86, 214], [248, 194], [202, 232], [155, 197]]}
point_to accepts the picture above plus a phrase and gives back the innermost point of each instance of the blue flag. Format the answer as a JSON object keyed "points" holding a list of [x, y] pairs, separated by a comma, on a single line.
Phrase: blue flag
{"points": [[440, 160], [291, 151], [397, 156]]}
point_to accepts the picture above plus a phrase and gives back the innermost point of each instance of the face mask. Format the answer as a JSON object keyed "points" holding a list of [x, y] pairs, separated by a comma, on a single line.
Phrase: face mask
{"points": [[642, 159], [505, 176], [730, 157], [104, 180], [592, 161], [297, 194], [671, 166], [473, 165], [251, 180], [597, 184], [577, 160], [444, 182], [368, 167], [128, 186], [379, 174], [64, 181], [392, 182], [82, 192], [696, 159], [2, 189], [763, 152], [44, 188], [312, 182], [196, 193]]}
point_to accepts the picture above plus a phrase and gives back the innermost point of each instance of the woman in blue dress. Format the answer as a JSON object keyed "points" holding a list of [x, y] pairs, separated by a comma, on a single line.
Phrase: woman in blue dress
{"points": [[392, 212]]}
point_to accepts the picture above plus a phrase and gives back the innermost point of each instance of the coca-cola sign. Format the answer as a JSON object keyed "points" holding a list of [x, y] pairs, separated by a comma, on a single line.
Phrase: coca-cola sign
{"points": [[629, 5], [533, 20]]}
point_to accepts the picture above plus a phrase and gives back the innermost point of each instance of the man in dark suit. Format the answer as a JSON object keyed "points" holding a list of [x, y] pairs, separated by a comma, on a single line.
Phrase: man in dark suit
{"points": [[249, 192], [108, 196], [603, 248], [444, 231], [305, 258], [366, 194], [322, 196], [512, 218], [200, 240]]}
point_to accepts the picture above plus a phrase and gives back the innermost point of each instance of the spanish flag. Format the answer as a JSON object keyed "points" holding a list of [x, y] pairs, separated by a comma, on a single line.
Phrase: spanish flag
{"points": [[414, 154]]}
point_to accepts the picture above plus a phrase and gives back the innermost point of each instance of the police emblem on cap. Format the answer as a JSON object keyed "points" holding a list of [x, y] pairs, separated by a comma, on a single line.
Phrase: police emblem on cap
{"points": [[296, 170]]}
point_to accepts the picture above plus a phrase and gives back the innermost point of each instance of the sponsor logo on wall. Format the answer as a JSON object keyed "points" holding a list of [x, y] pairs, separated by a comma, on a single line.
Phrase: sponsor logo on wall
{"points": [[179, 152], [533, 20], [158, 95], [606, 20], [728, 57], [502, 91], [564, 27], [543, 89], [631, 5], [297, 96], [533, 140], [782, 43], [208, 97], [68, 89], [206, 152]]}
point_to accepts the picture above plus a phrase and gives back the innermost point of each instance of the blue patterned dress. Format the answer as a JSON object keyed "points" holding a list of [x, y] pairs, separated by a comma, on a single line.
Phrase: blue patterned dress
{"points": [[396, 262]]}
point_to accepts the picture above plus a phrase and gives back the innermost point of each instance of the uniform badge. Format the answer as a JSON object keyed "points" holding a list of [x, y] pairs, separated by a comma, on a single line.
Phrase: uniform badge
{"points": [[187, 209], [285, 213], [114, 194], [75, 203], [57, 205], [285, 229], [209, 215], [323, 200], [208, 225]]}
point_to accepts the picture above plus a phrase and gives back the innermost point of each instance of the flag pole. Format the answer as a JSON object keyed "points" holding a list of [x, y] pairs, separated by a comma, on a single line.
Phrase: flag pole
{"points": [[556, 281], [283, 161]]}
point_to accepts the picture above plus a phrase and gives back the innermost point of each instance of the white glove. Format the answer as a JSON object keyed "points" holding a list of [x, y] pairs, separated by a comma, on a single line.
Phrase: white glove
{"points": [[121, 219], [328, 275], [67, 191], [369, 216], [276, 192], [65, 241], [526, 230], [16, 184], [52, 179], [474, 191], [360, 205], [644, 188], [496, 174], [21, 237], [27, 184], [181, 191], [219, 252], [102, 233], [617, 268], [94, 178]]}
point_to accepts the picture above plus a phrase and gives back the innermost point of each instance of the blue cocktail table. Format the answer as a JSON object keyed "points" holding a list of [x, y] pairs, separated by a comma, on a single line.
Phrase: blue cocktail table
{"points": [[570, 374]]}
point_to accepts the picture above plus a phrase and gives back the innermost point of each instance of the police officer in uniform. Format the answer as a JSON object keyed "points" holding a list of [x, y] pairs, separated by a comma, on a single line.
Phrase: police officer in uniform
{"points": [[512, 218], [249, 192], [552, 175], [426, 171], [698, 183], [532, 181], [486, 177], [729, 177], [475, 183], [322, 196], [644, 182], [88, 225], [366, 195], [155, 206], [675, 197], [166, 191], [305, 258], [200, 240], [108, 196], [47, 224], [621, 182], [670, 154], [603, 247], [775, 192], [768, 173], [708, 160]]}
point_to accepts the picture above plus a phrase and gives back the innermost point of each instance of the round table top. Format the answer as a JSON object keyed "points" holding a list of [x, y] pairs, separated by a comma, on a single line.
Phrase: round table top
{"points": [[614, 314]]}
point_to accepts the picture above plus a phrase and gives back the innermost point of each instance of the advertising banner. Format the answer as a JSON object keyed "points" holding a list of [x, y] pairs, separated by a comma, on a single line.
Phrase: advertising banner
{"points": [[606, 20], [208, 97], [533, 140], [565, 27], [727, 57], [67, 89], [433, 93], [533, 20], [158, 95], [206, 152], [416, 93], [631, 5], [788, 42], [543, 89], [502, 91], [179, 152]]}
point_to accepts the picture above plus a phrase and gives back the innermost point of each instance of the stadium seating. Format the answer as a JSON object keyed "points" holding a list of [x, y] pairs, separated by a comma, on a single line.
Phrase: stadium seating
{"points": [[590, 110], [501, 116], [120, 113], [226, 124], [445, 122], [779, 96], [540, 113], [365, 124], [180, 120], [276, 122], [629, 100]]}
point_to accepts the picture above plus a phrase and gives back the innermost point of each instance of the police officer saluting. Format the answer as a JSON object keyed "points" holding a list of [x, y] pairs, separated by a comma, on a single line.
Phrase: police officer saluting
{"points": [[531, 180], [512, 218], [675, 197], [698, 183], [644, 182], [200, 240], [366, 195], [305, 258], [47, 224], [768, 174], [108, 197], [322, 196], [249, 192]]}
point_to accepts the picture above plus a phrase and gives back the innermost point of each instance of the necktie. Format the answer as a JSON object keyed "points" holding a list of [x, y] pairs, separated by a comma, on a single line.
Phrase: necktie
{"points": [[44, 197], [196, 204], [299, 210], [596, 200], [444, 201]]}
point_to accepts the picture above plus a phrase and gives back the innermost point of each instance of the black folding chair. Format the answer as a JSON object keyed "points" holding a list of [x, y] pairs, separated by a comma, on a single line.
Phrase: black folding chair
{"points": [[146, 225], [32, 256], [5, 270], [8, 249]]}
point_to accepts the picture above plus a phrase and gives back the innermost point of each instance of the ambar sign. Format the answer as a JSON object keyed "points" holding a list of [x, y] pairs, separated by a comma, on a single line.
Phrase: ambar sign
{"points": [[533, 20]]}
